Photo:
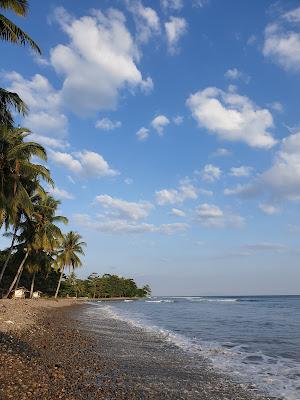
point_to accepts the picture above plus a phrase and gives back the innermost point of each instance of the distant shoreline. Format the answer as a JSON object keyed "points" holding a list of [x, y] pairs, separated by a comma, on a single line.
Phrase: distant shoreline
{"points": [[56, 349]]}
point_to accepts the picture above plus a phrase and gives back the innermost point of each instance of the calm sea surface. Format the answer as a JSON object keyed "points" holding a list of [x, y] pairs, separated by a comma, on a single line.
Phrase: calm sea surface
{"points": [[254, 339]]}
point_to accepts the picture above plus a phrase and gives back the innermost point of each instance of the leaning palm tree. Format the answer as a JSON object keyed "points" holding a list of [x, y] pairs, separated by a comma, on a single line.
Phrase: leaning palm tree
{"points": [[38, 233], [12, 33], [19, 178], [68, 255]]}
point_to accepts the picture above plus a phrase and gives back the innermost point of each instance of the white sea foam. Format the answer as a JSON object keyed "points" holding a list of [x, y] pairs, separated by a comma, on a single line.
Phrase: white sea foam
{"points": [[277, 376]]}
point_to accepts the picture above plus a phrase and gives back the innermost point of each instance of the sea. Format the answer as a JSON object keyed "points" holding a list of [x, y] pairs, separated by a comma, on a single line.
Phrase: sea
{"points": [[253, 339]]}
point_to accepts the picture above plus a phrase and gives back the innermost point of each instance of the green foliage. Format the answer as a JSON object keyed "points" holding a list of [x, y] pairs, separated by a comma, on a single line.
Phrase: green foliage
{"points": [[105, 286]]}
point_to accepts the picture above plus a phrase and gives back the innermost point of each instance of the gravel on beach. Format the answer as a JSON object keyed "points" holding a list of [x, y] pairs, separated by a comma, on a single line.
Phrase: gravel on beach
{"points": [[52, 350]]}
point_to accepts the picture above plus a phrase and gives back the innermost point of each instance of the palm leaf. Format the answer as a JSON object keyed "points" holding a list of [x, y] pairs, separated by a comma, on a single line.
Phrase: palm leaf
{"points": [[8, 101], [20, 7], [12, 33]]}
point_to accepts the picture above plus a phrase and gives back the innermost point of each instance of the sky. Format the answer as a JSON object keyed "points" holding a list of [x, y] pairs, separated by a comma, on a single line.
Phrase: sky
{"points": [[173, 134]]}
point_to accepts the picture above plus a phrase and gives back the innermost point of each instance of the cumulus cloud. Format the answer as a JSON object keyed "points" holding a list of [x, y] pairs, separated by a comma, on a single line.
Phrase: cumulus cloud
{"points": [[232, 117], [159, 123], [95, 74], [178, 120], [84, 163], [177, 213], [282, 180], [269, 209], [186, 191], [107, 125], [175, 28], [241, 171], [172, 4], [234, 74], [282, 40], [142, 134], [221, 152], [123, 209], [60, 193], [146, 20], [45, 117], [210, 173], [210, 215], [121, 226]]}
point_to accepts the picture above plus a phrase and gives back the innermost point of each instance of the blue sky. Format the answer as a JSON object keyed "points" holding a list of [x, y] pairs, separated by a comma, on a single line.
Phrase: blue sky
{"points": [[173, 135]]}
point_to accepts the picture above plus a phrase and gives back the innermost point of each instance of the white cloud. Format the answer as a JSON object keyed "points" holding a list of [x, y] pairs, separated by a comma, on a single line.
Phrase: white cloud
{"points": [[221, 152], [269, 209], [122, 209], [116, 226], [60, 193], [172, 4], [232, 117], [282, 41], [178, 120], [186, 191], [49, 142], [45, 117], [159, 123], [241, 171], [211, 173], [142, 134], [95, 74], [210, 215], [266, 246], [276, 106], [84, 163], [282, 180], [107, 125], [233, 73], [177, 213], [175, 28], [146, 20]]}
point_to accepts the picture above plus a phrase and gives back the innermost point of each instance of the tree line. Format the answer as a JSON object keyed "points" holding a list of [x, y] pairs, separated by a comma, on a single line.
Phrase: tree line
{"points": [[39, 250], [104, 286]]}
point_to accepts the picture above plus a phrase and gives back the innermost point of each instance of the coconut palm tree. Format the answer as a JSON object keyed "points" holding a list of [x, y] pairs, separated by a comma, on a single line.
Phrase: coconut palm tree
{"points": [[8, 101], [12, 33], [36, 262], [39, 233], [19, 178], [68, 255]]}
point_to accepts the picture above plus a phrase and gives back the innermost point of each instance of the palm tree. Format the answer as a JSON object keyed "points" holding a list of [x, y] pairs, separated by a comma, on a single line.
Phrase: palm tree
{"points": [[68, 256], [19, 178], [8, 101], [12, 33], [39, 233]]}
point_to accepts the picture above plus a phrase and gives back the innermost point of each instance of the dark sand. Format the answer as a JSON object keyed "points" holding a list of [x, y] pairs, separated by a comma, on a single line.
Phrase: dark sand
{"points": [[50, 352]]}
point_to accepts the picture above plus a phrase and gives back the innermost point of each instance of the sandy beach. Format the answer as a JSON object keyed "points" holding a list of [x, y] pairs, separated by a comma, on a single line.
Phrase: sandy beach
{"points": [[51, 350]]}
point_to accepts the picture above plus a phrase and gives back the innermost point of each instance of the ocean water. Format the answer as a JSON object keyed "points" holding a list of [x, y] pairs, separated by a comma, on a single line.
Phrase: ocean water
{"points": [[256, 340]]}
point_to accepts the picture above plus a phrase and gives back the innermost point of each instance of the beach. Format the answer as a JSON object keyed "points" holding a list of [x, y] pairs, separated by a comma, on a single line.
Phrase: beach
{"points": [[48, 350]]}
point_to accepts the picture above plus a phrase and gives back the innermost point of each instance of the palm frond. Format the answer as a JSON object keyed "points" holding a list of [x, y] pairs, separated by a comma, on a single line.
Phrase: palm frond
{"points": [[20, 7], [12, 33]]}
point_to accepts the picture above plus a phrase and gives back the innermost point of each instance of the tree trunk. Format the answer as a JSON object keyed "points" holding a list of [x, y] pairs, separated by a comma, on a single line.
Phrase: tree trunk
{"points": [[59, 282], [32, 285], [9, 254], [19, 272]]}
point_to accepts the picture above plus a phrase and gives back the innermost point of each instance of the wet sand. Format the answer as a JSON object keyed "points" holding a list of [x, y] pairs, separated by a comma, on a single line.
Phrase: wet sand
{"points": [[57, 350]]}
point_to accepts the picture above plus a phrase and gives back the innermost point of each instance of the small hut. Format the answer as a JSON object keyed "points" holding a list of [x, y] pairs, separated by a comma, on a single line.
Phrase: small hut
{"points": [[20, 293], [37, 294]]}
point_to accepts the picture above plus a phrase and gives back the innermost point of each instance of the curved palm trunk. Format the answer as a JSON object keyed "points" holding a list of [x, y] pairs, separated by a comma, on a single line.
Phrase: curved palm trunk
{"points": [[9, 254], [59, 282], [18, 274], [32, 285]]}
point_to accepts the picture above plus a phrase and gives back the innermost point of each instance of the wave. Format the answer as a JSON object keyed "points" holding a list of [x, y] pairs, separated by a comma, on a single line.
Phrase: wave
{"points": [[278, 376]]}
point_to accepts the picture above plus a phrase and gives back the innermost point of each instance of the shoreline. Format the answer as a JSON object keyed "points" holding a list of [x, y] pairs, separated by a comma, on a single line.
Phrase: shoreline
{"points": [[58, 350]]}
